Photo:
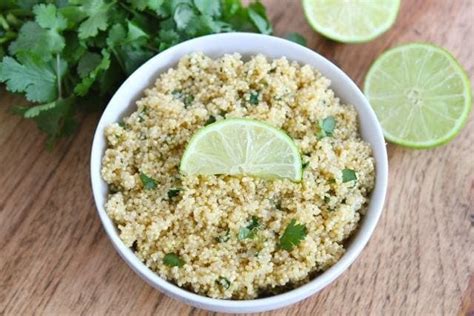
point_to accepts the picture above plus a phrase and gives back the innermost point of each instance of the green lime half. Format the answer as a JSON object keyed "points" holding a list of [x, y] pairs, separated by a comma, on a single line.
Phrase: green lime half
{"points": [[420, 93], [351, 21], [242, 147]]}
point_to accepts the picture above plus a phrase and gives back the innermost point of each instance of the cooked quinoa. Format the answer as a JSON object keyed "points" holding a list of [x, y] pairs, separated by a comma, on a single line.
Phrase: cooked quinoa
{"points": [[197, 220]]}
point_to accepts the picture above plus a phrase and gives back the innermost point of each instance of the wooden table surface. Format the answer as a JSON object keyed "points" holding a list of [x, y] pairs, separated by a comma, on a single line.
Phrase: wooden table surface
{"points": [[55, 258]]}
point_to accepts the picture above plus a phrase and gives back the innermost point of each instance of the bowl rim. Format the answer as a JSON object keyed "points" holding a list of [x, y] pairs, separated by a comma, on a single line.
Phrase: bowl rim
{"points": [[359, 239]]}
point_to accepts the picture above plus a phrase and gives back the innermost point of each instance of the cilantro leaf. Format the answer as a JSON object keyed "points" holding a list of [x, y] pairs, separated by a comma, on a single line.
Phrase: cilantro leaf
{"points": [[244, 233], [326, 127], [37, 110], [97, 13], [34, 77], [48, 17], [135, 33], [293, 235], [133, 57], [210, 120], [183, 15], [258, 16], [254, 97], [109, 80], [169, 37], [348, 175], [224, 282], [56, 118], [74, 49], [88, 62], [173, 260], [73, 14], [250, 230], [84, 86], [202, 25], [305, 165], [33, 39], [231, 8], [146, 4], [174, 192], [117, 35], [186, 98], [223, 238], [148, 183], [208, 7], [297, 38], [127, 46]]}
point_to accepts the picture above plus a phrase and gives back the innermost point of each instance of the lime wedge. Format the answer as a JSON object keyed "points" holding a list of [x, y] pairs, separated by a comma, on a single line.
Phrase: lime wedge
{"points": [[351, 21], [420, 93], [242, 147]]}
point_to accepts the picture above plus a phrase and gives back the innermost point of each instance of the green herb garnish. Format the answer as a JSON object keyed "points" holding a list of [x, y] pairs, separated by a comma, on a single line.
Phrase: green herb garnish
{"points": [[62, 55], [222, 113], [254, 97], [305, 164], [293, 235], [113, 188], [174, 192], [177, 94], [224, 282], [277, 204], [326, 127], [297, 38], [250, 230], [148, 183], [187, 99], [225, 237], [141, 115], [173, 260], [348, 175], [210, 120]]}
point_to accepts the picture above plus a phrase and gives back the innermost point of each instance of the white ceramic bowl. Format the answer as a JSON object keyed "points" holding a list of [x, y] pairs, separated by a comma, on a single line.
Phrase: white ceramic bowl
{"points": [[123, 102]]}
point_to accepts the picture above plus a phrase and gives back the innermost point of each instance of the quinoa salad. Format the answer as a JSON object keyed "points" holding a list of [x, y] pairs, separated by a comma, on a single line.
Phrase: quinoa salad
{"points": [[237, 237]]}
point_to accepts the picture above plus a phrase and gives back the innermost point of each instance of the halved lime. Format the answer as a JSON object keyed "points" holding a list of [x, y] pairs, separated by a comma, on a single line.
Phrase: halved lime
{"points": [[351, 21], [242, 147], [420, 93]]}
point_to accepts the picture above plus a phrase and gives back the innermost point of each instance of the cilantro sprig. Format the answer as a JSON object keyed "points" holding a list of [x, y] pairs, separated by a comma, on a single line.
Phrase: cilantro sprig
{"points": [[173, 260], [293, 235], [249, 231], [348, 175], [223, 282], [326, 127], [148, 182], [65, 56]]}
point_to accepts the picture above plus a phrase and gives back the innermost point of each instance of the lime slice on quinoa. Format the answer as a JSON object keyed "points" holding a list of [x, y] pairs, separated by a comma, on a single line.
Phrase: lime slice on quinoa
{"points": [[420, 93], [351, 21], [242, 147]]}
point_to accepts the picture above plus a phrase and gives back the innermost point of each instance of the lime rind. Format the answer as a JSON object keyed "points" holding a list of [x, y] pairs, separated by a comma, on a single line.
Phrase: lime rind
{"points": [[308, 6], [460, 121], [280, 134]]}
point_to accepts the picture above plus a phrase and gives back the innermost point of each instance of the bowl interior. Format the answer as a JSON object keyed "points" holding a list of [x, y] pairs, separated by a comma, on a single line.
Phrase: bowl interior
{"points": [[247, 44]]}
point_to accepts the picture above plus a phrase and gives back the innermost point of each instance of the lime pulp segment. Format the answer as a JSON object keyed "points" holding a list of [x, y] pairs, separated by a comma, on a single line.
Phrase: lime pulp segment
{"points": [[242, 147], [351, 21], [420, 93]]}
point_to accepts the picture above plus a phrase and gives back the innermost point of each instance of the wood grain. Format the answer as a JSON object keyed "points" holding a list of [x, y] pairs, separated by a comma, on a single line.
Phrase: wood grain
{"points": [[55, 258]]}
